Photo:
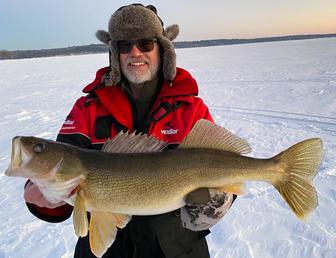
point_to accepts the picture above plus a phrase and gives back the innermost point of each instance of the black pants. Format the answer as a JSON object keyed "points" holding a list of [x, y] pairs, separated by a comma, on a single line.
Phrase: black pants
{"points": [[160, 236]]}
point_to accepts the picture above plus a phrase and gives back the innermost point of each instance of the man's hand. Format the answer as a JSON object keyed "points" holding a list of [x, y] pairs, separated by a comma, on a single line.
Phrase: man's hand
{"points": [[33, 195]]}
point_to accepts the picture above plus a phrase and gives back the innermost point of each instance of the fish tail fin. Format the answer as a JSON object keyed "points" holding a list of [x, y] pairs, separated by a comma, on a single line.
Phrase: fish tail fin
{"points": [[300, 163]]}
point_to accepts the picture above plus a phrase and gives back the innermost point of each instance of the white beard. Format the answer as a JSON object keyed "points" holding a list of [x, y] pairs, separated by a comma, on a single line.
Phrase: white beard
{"points": [[141, 77]]}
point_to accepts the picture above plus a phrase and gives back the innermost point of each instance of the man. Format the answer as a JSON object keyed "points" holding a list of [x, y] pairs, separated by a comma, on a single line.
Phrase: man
{"points": [[143, 91]]}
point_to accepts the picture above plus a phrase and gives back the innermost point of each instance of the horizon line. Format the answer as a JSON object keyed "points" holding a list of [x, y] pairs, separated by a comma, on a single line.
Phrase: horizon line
{"points": [[190, 41]]}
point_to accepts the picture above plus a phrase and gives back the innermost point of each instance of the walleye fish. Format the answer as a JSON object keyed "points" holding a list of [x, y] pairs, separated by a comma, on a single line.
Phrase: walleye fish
{"points": [[132, 176]]}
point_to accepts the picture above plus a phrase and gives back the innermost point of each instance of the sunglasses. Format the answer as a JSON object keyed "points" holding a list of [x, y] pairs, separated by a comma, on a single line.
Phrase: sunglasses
{"points": [[144, 45]]}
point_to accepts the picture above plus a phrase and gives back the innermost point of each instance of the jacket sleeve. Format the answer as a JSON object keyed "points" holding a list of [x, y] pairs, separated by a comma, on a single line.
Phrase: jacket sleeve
{"points": [[202, 112], [74, 131], [203, 216]]}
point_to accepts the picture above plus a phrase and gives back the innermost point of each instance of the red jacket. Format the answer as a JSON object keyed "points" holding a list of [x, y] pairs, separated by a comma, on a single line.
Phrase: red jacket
{"points": [[175, 111]]}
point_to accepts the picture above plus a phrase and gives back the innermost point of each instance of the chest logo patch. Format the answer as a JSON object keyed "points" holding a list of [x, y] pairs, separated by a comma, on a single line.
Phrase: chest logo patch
{"points": [[169, 129]]}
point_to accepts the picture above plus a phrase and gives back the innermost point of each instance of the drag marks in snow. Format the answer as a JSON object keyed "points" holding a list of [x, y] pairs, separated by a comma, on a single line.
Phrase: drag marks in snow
{"points": [[314, 123]]}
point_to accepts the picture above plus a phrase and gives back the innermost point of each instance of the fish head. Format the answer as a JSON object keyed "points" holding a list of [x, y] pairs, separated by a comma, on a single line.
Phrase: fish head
{"points": [[35, 158]]}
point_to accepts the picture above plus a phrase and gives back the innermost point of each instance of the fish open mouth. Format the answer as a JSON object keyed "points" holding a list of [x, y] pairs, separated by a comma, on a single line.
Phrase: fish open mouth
{"points": [[19, 158]]}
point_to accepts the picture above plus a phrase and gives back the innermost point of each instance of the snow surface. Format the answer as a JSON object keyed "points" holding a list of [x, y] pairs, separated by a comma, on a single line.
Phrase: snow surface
{"points": [[272, 94]]}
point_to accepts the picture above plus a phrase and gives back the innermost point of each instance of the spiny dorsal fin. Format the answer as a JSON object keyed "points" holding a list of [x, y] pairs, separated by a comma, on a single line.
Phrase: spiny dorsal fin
{"points": [[133, 143], [207, 135]]}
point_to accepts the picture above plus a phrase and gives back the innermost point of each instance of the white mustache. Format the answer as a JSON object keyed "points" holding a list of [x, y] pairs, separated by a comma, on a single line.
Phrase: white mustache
{"points": [[132, 61]]}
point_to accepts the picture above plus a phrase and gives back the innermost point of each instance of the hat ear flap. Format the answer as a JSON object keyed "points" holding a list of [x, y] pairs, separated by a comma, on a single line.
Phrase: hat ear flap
{"points": [[168, 58], [103, 36], [115, 73], [171, 31]]}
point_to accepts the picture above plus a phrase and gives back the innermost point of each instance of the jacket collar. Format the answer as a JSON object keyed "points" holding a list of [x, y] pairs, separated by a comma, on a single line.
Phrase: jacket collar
{"points": [[113, 97], [183, 84]]}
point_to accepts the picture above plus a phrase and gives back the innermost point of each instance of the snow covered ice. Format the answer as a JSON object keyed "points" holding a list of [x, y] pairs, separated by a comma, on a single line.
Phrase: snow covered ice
{"points": [[272, 94]]}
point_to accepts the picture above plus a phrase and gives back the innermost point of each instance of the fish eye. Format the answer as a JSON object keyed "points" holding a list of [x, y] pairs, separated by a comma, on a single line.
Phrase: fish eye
{"points": [[39, 147]]}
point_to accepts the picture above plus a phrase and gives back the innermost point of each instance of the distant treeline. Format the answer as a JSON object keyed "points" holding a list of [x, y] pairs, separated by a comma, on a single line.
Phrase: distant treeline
{"points": [[100, 48]]}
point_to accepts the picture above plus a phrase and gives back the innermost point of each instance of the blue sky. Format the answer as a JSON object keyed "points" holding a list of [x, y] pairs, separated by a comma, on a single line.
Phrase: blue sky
{"points": [[38, 24]]}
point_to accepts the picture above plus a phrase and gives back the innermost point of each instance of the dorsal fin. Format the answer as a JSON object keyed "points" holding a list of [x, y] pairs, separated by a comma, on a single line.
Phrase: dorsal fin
{"points": [[207, 135], [133, 143]]}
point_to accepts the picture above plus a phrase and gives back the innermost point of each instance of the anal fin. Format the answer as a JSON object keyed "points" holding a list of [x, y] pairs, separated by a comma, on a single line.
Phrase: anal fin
{"points": [[121, 220], [103, 230], [236, 188]]}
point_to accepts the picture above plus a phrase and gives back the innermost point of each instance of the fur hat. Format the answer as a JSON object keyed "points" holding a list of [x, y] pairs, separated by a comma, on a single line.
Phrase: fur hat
{"points": [[136, 21]]}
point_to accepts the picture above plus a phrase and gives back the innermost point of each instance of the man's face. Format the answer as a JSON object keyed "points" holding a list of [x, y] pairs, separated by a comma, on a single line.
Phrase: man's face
{"points": [[138, 66]]}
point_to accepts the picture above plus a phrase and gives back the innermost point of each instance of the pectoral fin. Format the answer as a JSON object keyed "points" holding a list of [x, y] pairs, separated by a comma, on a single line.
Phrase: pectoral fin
{"points": [[103, 230], [80, 219], [237, 188]]}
